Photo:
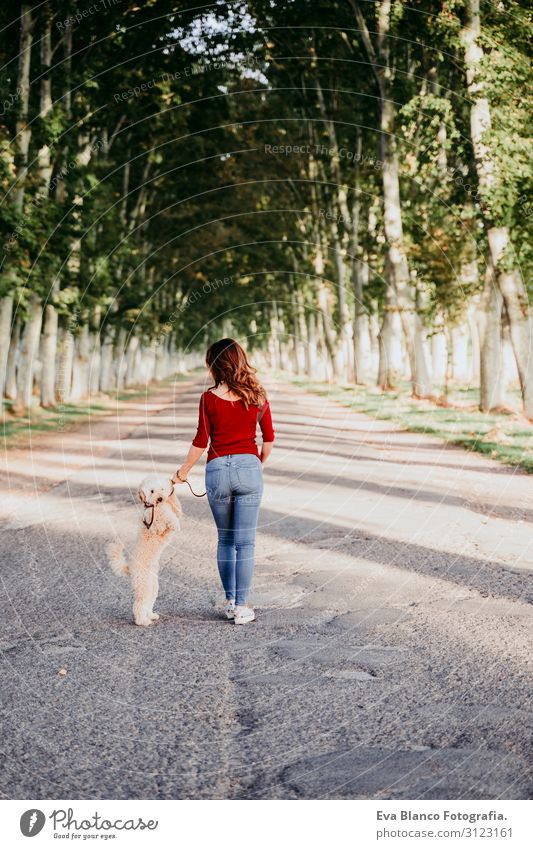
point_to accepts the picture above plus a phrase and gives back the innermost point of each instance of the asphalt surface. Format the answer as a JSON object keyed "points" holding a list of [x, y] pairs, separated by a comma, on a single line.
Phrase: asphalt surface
{"points": [[391, 653]]}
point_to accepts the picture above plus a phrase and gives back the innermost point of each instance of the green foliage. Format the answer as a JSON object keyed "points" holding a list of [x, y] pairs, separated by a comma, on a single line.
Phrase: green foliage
{"points": [[162, 181]]}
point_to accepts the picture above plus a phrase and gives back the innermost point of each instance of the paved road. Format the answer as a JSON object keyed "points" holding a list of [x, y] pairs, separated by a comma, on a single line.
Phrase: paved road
{"points": [[389, 658]]}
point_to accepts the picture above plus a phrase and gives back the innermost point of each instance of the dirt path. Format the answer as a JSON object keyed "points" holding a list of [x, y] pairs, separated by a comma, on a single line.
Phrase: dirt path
{"points": [[390, 655]]}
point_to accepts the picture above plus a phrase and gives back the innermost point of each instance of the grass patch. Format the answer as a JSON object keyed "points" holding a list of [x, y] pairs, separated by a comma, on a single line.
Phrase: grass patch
{"points": [[463, 425], [16, 430]]}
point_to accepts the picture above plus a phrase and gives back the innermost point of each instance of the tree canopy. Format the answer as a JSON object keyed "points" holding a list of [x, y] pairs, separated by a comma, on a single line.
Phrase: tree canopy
{"points": [[344, 185]]}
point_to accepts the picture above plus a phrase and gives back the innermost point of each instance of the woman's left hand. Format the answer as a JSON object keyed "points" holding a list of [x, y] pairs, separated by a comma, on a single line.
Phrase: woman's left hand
{"points": [[192, 457]]}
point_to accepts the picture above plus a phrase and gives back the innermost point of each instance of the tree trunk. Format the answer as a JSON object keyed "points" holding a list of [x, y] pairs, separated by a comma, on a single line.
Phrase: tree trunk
{"points": [[23, 127], [459, 354], [507, 272], [94, 363], [64, 366], [302, 335], [373, 336], [132, 359], [439, 355], [28, 355], [147, 371], [66, 67], [390, 353], [284, 354], [273, 346], [295, 343], [43, 155], [50, 319], [106, 360], [327, 324], [6, 315], [516, 302], [312, 345], [22, 143], [396, 267], [48, 356], [120, 361], [345, 365], [474, 342], [80, 365], [161, 361], [11, 366], [325, 365], [344, 345], [361, 340], [490, 344]]}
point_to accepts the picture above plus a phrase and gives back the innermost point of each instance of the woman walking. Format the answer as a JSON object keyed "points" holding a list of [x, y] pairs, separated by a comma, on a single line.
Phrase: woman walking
{"points": [[228, 416]]}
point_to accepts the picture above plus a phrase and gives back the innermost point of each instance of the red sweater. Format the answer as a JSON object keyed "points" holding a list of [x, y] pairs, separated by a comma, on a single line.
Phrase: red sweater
{"points": [[230, 426]]}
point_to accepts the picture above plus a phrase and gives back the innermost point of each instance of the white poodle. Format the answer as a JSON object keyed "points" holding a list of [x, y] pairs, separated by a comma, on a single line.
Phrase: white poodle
{"points": [[160, 521]]}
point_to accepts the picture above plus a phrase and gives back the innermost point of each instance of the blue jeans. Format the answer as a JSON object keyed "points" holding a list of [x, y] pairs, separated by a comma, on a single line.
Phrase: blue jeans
{"points": [[234, 487]]}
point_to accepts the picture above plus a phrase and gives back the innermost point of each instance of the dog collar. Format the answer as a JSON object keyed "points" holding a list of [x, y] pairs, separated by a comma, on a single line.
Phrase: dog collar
{"points": [[151, 507]]}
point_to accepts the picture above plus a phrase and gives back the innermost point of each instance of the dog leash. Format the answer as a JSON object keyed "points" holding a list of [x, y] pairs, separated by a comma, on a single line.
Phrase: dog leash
{"points": [[151, 507], [190, 487], [149, 524]]}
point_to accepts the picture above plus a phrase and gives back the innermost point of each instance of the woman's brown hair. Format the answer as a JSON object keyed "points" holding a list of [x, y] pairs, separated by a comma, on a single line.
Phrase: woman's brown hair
{"points": [[229, 364]]}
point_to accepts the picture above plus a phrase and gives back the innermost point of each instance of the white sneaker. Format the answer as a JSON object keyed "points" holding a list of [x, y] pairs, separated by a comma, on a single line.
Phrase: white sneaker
{"points": [[244, 614], [229, 609]]}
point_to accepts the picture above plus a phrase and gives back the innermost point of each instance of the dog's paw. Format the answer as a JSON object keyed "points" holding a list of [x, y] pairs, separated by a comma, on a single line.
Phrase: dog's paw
{"points": [[154, 616], [143, 621]]}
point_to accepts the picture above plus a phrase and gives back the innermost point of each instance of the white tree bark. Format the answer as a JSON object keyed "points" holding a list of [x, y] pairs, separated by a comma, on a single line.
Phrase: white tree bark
{"points": [[439, 356], [508, 276], [273, 342], [302, 341], [396, 267], [361, 341], [80, 365], [489, 317], [474, 343], [22, 143], [44, 164], [64, 366], [345, 350], [106, 360], [120, 359], [390, 348], [29, 350], [132, 362], [460, 360], [23, 127], [312, 345], [328, 331], [293, 338], [94, 363], [6, 315], [44, 161], [12, 357], [48, 356]]}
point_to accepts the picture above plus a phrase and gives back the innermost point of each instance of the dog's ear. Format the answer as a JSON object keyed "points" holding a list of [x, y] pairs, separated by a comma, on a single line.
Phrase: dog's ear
{"points": [[140, 495]]}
